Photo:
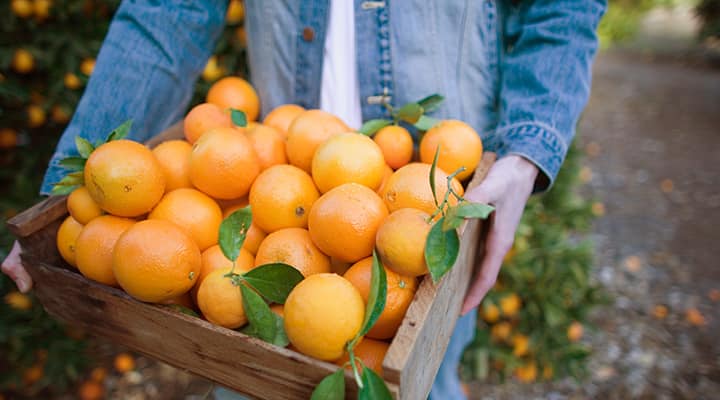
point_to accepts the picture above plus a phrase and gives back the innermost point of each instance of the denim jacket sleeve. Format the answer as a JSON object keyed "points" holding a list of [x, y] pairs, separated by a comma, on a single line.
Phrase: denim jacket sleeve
{"points": [[545, 79], [145, 71]]}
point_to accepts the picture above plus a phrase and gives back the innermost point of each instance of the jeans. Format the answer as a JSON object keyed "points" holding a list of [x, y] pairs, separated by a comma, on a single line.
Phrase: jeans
{"points": [[447, 384]]}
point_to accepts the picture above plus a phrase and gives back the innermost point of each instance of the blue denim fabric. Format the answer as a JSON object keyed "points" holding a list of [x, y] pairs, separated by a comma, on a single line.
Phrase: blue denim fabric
{"points": [[518, 72]]}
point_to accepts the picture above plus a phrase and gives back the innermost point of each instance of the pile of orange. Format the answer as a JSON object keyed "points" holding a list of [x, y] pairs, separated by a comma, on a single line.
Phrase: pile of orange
{"points": [[323, 197]]}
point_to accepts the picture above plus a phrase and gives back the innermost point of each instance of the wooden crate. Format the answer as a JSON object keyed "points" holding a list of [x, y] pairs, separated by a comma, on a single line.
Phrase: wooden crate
{"points": [[230, 358]]}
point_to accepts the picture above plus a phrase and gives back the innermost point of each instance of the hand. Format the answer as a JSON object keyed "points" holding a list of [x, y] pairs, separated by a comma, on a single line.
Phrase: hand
{"points": [[13, 268], [507, 186]]}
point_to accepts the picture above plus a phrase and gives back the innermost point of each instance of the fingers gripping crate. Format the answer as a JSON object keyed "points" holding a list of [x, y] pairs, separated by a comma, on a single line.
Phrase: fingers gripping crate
{"points": [[230, 358]]}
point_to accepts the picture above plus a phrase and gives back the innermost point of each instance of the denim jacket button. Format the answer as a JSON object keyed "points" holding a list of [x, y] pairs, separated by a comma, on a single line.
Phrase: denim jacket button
{"points": [[308, 34]]}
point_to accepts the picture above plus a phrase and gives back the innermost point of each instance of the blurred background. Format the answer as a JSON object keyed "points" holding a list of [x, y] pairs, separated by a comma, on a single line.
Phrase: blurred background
{"points": [[611, 289]]}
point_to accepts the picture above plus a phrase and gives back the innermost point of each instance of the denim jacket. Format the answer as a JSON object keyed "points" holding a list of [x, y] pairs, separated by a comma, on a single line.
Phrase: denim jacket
{"points": [[517, 71]]}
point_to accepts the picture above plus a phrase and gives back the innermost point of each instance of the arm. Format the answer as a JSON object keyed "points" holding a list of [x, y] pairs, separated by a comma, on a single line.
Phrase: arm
{"points": [[545, 85], [145, 71]]}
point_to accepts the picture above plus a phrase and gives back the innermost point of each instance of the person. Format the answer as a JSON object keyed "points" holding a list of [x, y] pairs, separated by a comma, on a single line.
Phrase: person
{"points": [[517, 71]]}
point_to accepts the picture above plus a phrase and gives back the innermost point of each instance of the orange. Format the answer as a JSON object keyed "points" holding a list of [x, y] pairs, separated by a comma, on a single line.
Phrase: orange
{"points": [[370, 352], [527, 372], [36, 116], [294, 247], [344, 221], [98, 374], [396, 144], [18, 301], [575, 331], [401, 241], [202, 118], [510, 305], [282, 116], [386, 176], [94, 247], [237, 93], [269, 145], [8, 138], [91, 390], [278, 309], [82, 207], [124, 362], [60, 114], [174, 159], [87, 66], [235, 12], [490, 312], [223, 164], [124, 178], [33, 374], [67, 239], [23, 61], [308, 131], [282, 197], [72, 81], [460, 146], [155, 261], [213, 259], [348, 157], [409, 187], [400, 292], [192, 211], [323, 313], [213, 70], [22, 8], [220, 301], [521, 345]]}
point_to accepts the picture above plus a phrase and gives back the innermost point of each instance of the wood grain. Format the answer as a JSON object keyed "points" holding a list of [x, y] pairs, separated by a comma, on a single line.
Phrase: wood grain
{"points": [[419, 346]]}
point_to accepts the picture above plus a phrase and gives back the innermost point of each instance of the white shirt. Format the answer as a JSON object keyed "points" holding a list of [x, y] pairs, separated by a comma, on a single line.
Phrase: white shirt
{"points": [[340, 88]]}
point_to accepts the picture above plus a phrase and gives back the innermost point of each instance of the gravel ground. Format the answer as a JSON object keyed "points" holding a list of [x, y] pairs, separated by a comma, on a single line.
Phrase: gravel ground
{"points": [[652, 135]]}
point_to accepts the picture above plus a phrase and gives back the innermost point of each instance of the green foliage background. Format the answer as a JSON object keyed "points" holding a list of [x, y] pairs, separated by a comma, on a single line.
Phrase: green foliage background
{"points": [[549, 271]]}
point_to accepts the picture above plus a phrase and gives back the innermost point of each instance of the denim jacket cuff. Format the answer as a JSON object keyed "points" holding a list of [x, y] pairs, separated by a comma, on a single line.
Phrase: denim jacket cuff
{"points": [[539, 143]]}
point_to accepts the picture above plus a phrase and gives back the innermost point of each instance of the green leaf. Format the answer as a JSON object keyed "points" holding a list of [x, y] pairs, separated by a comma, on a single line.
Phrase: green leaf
{"points": [[441, 250], [457, 214], [84, 147], [238, 117], [332, 387], [410, 113], [61, 190], [425, 123], [371, 127], [73, 163], [274, 281], [265, 323], [431, 102], [120, 132], [376, 299], [433, 168], [374, 387], [233, 230]]}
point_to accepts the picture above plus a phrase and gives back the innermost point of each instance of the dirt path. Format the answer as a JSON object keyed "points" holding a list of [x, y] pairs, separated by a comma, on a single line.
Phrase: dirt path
{"points": [[652, 133]]}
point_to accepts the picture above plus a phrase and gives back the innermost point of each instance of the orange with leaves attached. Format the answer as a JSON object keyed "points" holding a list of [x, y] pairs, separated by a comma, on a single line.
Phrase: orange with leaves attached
{"points": [[400, 292], [409, 187], [371, 352], [294, 247], [220, 300], [400, 241], [236, 93], [322, 313]]}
